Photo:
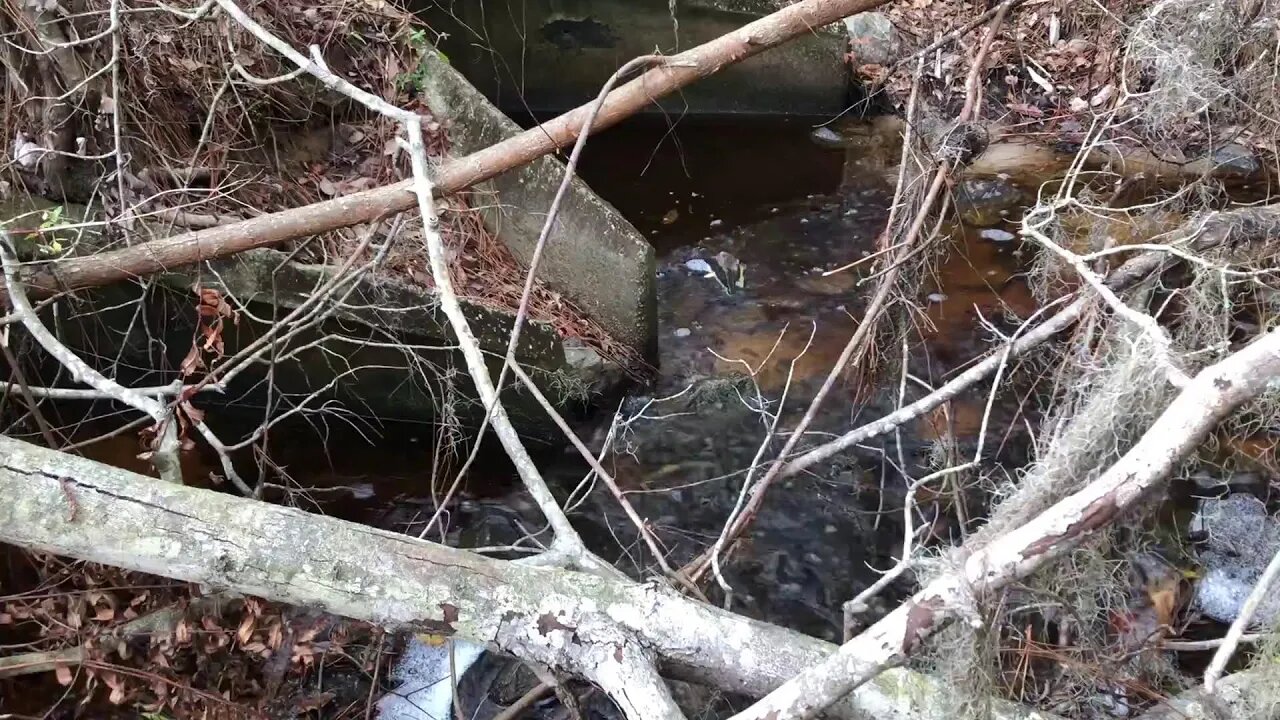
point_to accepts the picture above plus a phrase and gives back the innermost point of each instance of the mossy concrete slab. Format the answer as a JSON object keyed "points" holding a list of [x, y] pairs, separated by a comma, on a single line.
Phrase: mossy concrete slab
{"points": [[385, 352], [593, 257]]}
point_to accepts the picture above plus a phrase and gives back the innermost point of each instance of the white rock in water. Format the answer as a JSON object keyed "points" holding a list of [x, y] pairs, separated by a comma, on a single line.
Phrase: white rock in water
{"points": [[682, 332], [700, 266], [425, 691], [997, 235], [826, 136]]}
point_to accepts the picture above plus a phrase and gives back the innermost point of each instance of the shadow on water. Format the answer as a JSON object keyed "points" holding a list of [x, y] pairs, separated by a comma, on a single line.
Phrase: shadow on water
{"points": [[706, 195]]}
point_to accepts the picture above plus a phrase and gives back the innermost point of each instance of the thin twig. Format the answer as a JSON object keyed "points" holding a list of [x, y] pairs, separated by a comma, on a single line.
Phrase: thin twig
{"points": [[1032, 223], [1212, 644]]}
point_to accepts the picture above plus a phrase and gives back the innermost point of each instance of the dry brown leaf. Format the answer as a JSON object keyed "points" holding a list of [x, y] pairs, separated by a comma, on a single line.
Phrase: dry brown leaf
{"points": [[1164, 601], [245, 631], [192, 362], [63, 674]]}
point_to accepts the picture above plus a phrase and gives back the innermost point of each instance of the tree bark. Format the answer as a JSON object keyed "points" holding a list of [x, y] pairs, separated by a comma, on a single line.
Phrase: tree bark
{"points": [[583, 623], [370, 205]]}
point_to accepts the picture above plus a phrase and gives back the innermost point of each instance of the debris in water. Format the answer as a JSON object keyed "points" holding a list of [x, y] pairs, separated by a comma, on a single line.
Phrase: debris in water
{"points": [[700, 266], [727, 270], [936, 297], [717, 223], [997, 235], [734, 270], [682, 332], [827, 137], [672, 215], [425, 691]]}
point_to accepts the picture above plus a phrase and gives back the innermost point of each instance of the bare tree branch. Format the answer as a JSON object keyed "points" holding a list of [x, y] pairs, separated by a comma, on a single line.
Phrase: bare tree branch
{"points": [[1210, 397]]}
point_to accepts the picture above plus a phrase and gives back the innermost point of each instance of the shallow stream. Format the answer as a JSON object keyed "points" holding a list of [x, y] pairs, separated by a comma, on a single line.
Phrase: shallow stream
{"points": [[746, 220]]}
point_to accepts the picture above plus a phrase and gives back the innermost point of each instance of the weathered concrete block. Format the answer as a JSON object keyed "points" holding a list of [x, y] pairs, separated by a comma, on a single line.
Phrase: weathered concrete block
{"points": [[594, 257]]}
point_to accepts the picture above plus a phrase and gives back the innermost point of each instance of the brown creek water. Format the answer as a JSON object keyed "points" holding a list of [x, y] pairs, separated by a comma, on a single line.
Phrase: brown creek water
{"points": [[788, 210]]}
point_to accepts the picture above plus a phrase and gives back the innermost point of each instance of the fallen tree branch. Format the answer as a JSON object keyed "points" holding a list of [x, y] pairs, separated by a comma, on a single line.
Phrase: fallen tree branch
{"points": [[1060, 321], [683, 69], [287, 555], [1206, 400]]}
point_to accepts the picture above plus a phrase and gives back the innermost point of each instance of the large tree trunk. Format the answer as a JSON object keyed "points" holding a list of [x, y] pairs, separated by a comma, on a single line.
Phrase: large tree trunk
{"points": [[579, 622]]}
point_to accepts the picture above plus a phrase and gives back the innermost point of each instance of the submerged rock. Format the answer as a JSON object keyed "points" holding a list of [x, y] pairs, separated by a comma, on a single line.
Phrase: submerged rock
{"points": [[998, 235], [986, 201], [1240, 539], [1236, 161]]}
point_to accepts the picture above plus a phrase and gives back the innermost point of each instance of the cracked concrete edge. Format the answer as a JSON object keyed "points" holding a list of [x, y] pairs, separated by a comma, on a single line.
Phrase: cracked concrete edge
{"points": [[594, 257]]}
